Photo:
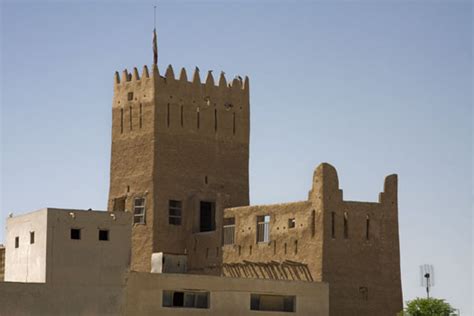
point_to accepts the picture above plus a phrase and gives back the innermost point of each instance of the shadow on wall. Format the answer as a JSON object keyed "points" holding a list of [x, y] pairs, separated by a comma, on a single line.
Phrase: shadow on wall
{"points": [[286, 270]]}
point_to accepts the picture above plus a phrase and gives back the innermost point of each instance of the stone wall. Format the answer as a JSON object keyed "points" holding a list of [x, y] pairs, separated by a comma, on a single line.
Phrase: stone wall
{"points": [[192, 145], [353, 246]]}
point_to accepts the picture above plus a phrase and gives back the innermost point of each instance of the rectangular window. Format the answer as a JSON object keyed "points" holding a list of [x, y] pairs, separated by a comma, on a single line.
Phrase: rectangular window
{"points": [[121, 121], [75, 233], [291, 223], [17, 242], [139, 211], [174, 208], [229, 231], [119, 204], [272, 303], [188, 299], [263, 228], [140, 122], [32, 237], [130, 96], [367, 227], [103, 234], [207, 218]]}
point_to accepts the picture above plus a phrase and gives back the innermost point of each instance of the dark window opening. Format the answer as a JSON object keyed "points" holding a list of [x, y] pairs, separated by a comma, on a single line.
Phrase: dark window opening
{"points": [[121, 121], [285, 248], [296, 247], [333, 226], [103, 234], [367, 228], [175, 212], [32, 237], [131, 122], [346, 226], [75, 233], [198, 119], [17, 242], [140, 122], [215, 120], [188, 299], [130, 96], [291, 223], [272, 303], [207, 218], [182, 116], [313, 223], [233, 123]]}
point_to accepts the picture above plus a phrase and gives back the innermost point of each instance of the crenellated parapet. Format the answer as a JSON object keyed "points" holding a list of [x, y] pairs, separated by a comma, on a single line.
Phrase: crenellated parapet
{"points": [[169, 78]]}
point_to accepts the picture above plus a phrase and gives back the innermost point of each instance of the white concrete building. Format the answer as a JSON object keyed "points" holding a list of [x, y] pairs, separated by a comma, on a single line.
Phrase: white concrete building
{"points": [[63, 246]]}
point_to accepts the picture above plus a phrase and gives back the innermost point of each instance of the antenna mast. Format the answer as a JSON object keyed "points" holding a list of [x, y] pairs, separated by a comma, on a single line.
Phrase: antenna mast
{"points": [[427, 278]]}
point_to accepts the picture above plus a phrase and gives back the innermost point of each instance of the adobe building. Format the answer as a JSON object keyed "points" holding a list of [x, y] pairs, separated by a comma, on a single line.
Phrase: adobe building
{"points": [[2, 262], [182, 236], [180, 156]]}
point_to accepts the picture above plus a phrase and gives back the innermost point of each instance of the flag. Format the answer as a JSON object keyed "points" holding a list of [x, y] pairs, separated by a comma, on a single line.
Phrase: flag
{"points": [[155, 48]]}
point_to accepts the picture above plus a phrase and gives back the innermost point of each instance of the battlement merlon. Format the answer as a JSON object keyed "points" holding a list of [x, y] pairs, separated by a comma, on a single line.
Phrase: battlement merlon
{"points": [[326, 183], [237, 84]]}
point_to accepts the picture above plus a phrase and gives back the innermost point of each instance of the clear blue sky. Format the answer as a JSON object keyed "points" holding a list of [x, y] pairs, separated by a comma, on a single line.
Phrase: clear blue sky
{"points": [[373, 87]]}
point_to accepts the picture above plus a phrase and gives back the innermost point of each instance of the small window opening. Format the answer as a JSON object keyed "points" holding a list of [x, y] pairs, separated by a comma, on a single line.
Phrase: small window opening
{"points": [[140, 122], [367, 227], [188, 299], [346, 226], [119, 204], [130, 96], [131, 119], [198, 118], [272, 303], [228, 231], [175, 212], [313, 223], [250, 250], [233, 123], [263, 228], [274, 247], [291, 223], [17, 242], [103, 234], [333, 228], [182, 117], [296, 247], [32, 237], [205, 179], [207, 218], [285, 248], [121, 121], [215, 120], [240, 250], [75, 233], [139, 211]]}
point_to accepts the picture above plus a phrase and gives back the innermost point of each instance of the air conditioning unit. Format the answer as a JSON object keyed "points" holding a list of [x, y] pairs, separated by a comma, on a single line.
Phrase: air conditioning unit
{"points": [[168, 263]]}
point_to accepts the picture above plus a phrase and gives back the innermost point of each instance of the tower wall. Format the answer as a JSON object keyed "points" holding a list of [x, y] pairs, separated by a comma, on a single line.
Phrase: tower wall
{"points": [[193, 146], [361, 256]]}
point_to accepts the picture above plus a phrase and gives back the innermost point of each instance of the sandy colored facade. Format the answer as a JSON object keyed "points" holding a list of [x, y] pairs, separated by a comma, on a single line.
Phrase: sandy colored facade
{"points": [[181, 144], [225, 296], [41, 247], [351, 245], [183, 141]]}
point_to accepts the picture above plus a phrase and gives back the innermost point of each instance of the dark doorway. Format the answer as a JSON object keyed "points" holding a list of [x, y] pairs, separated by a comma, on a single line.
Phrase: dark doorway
{"points": [[207, 218]]}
